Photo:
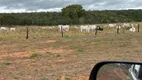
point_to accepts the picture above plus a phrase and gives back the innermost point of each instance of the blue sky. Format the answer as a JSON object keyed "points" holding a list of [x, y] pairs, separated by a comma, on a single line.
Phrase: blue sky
{"points": [[7, 6]]}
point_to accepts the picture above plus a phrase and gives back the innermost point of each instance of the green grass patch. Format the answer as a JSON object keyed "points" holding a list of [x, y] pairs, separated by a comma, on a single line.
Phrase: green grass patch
{"points": [[97, 42], [80, 50], [44, 79], [34, 54], [74, 46], [5, 63], [67, 37], [67, 79], [58, 55]]}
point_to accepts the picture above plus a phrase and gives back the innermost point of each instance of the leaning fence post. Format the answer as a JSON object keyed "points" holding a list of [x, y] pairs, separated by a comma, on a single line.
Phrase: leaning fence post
{"points": [[62, 32], [138, 28], [27, 32]]}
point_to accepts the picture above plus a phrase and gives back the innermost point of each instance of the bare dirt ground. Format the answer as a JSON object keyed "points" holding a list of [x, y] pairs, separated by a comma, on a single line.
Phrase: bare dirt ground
{"points": [[69, 58]]}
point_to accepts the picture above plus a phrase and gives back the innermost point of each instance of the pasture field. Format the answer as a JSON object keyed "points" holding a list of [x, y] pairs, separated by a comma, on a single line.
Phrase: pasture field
{"points": [[48, 56]]}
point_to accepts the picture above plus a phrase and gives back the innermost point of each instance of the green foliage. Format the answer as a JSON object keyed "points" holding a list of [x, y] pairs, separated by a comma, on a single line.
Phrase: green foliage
{"points": [[8, 19], [73, 11], [72, 14]]}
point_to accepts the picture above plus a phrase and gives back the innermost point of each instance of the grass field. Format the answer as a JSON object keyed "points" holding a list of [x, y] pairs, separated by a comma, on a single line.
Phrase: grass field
{"points": [[48, 56]]}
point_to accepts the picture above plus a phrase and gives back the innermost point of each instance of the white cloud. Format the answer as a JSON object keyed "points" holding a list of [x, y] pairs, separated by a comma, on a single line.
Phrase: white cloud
{"points": [[49, 10], [3, 10]]}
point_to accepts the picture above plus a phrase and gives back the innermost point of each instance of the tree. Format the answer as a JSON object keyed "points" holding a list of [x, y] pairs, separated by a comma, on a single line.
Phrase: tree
{"points": [[74, 12], [8, 20]]}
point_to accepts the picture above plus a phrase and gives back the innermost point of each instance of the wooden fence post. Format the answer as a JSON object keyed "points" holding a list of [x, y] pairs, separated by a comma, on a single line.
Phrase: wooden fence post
{"points": [[62, 32], [96, 31], [27, 32], [138, 28], [117, 29]]}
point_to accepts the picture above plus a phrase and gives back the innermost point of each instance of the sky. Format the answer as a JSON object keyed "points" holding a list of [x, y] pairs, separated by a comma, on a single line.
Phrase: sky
{"points": [[18, 6]]}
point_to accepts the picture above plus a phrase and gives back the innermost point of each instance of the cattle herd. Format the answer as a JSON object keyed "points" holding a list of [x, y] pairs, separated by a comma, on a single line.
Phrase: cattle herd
{"points": [[125, 26], [7, 29], [87, 28]]}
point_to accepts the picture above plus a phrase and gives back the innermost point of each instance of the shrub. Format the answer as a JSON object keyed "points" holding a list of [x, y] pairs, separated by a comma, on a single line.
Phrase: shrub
{"points": [[33, 54]]}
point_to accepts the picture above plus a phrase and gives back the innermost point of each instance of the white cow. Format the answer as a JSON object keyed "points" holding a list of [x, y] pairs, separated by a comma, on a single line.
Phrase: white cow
{"points": [[64, 27], [132, 29], [12, 29], [126, 25], [134, 25], [43, 28], [4, 28], [112, 25], [93, 27], [118, 26], [85, 27]]}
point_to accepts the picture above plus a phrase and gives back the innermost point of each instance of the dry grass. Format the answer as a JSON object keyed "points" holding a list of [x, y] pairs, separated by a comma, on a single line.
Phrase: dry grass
{"points": [[68, 58]]}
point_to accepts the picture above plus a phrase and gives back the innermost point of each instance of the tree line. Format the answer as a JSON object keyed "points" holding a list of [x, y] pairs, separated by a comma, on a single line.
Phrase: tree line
{"points": [[72, 14]]}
